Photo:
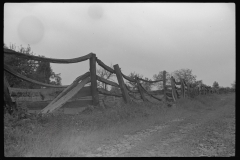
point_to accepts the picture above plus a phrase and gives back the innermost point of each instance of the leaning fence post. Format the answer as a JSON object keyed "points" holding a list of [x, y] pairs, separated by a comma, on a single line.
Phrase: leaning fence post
{"points": [[182, 88], [121, 83], [173, 89], [140, 89], [94, 90], [164, 85]]}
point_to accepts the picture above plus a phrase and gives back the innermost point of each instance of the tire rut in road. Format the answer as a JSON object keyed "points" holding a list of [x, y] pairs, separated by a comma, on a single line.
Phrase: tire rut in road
{"points": [[127, 142]]}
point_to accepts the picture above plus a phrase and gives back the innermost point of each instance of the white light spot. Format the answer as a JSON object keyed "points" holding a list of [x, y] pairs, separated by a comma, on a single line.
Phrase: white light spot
{"points": [[31, 30], [95, 11]]}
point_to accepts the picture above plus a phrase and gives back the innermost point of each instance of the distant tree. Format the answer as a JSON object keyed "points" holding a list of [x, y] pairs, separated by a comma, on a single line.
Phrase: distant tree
{"points": [[37, 70], [185, 74], [215, 85], [103, 73], [198, 83], [159, 76]]}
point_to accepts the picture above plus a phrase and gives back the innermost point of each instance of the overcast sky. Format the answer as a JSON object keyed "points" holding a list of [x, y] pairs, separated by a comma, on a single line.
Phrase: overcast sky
{"points": [[141, 37]]}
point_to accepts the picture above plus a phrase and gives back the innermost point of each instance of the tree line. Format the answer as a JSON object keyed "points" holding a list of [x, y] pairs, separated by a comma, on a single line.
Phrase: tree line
{"points": [[36, 70]]}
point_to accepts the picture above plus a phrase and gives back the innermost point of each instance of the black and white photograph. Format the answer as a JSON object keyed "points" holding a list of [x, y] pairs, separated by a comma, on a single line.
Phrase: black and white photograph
{"points": [[114, 79]]}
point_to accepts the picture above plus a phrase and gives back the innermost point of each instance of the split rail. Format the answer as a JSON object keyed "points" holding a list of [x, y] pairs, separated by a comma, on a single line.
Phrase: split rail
{"points": [[78, 94]]}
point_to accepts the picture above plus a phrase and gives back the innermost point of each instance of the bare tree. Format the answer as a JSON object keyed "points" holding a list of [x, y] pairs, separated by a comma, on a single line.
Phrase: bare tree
{"points": [[103, 73]]}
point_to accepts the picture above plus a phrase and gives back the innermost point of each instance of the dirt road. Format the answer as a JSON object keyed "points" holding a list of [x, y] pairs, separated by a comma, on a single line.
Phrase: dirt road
{"points": [[206, 132]]}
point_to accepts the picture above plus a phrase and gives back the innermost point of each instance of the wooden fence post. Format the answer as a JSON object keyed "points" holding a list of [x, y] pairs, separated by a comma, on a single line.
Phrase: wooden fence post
{"points": [[95, 96], [7, 97], [193, 94], [182, 88], [173, 89], [121, 84], [164, 86], [188, 88], [140, 89]]}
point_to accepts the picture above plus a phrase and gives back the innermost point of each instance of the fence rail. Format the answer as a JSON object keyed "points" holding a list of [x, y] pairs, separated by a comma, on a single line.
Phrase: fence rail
{"points": [[51, 60], [56, 96]]}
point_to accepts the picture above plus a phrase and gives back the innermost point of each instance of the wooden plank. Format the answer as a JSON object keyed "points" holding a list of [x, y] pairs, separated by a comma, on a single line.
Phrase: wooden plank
{"points": [[107, 81], [69, 104], [121, 83], [12, 72], [105, 92], [94, 89], [46, 94], [44, 59], [85, 91], [70, 87], [60, 102], [100, 63]]}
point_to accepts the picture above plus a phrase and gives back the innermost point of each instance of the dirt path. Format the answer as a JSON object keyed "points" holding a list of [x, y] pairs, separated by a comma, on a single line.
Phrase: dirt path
{"points": [[209, 132]]}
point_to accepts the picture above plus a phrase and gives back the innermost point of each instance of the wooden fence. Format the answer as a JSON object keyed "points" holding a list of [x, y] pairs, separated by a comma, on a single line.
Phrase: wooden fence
{"points": [[79, 95]]}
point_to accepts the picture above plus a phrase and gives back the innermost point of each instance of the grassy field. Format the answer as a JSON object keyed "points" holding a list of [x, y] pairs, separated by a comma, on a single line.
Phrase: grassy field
{"points": [[61, 135]]}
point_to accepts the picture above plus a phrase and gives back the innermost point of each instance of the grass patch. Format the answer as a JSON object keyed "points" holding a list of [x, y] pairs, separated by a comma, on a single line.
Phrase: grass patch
{"points": [[52, 135], [204, 102], [57, 135]]}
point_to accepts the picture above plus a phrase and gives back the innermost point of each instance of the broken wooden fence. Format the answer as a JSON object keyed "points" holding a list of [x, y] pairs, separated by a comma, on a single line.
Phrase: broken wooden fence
{"points": [[77, 95], [49, 99]]}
